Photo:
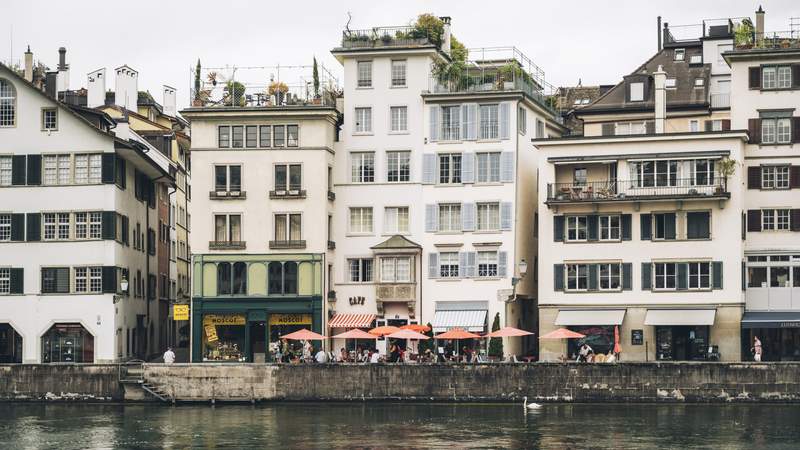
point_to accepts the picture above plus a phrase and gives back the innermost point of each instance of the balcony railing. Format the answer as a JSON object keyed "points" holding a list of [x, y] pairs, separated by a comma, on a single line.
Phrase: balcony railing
{"points": [[227, 195], [386, 37], [283, 245], [623, 190], [226, 245], [722, 100], [291, 193]]}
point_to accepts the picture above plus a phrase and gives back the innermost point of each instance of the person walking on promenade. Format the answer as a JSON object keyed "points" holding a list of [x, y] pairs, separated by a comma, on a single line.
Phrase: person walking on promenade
{"points": [[756, 349], [169, 356]]}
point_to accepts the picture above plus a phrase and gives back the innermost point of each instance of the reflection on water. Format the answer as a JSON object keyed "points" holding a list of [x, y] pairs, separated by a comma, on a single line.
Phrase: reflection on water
{"points": [[399, 425]]}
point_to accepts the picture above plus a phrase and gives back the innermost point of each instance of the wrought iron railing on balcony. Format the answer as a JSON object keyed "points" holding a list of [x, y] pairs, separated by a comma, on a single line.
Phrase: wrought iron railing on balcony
{"points": [[292, 244], [721, 100], [387, 37], [226, 245], [645, 189], [291, 193], [223, 194]]}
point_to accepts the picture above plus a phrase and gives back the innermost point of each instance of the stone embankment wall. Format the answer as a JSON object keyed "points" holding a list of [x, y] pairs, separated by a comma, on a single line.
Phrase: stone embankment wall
{"points": [[542, 382]]}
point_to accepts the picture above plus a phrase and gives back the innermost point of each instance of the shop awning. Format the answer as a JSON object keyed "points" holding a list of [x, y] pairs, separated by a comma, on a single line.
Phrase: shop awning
{"points": [[771, 319], [680, 317], [568, 317], [474, 320], [351, 321]]}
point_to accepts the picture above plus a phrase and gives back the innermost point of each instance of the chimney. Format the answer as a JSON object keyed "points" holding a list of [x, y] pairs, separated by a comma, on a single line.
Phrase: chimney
{"points": [[62, 58], [62, 83], [169, 101], [658, 32], [446, 34], [96, 87], [760, 26], [29, 65], [660, 78], [126, 89]]}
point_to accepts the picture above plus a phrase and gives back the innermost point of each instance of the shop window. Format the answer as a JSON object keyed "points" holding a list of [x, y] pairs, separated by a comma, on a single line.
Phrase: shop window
{"points": [[224, 337], [756, 277], [599, 338], [10, 345], [67, 343]]}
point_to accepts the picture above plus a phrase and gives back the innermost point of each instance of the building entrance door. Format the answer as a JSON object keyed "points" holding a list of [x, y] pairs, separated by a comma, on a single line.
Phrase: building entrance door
{"points": [[258, 342]]}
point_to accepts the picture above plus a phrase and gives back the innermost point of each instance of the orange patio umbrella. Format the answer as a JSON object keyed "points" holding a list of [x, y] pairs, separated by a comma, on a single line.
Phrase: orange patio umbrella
{"points": [[407, 334], [304, 335], [416, 327], [562, 333], [355, 333], [384, 330], [617, 347], [457, 333], [508, 332]]}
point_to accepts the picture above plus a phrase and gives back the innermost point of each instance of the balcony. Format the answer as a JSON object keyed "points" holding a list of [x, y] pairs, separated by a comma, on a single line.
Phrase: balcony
{"points": [[287, 194], [287, 245], [226, 245], [387, 37], [628, 191], [722, 100], [227, 195]]}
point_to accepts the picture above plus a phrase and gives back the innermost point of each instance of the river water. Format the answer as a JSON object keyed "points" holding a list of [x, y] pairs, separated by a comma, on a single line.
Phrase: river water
{"points": [[399, 425]]}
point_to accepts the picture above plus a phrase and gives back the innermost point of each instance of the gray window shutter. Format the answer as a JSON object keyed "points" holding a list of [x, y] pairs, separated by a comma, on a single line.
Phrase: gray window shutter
{"points": [[472, 131], [626, 227], [507, 167], [34, 170], [646, 276], [109, 279], [558, 277], [462, 264], [558, 228], [502, 264], [646, 225], [669, 226], [108, 167], [592, 269], [431, 218], [468, 216], [433, 112], [505, 119], [428, 169], [18, 170], [608, 129], [33, 227], [109, 225], [465, 126], [17, 281], [627, 279], [698, 224], [744, 276], [592, 227], [468, 167], [433, 265], [682, 273], [471, 262], [17, 227], [506, 213], [716, 272]]}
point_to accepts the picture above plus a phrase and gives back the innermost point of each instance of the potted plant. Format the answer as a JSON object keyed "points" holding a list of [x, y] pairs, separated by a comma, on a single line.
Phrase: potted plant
{"points": [[743, 34], [726, 167], [279, 90]]}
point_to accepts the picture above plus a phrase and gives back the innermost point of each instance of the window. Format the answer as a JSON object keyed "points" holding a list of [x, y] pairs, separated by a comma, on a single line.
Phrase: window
{"points": [[279, 136], [699, 82], [265, 136], [237, 132], [448, 265], [56, 226], [360, 270], [775, 177], [450, 168], [228, 228], [779, 276], [49, 119], [282, 277], [663, 226], [288, 227], [630, 128], [292, 136], [398, 166], [539, 129], [522, 120], [698, 225], [251, 136], [699, 275], [396, 269], [5, 227], [694, 126], [487, 264], [8, 104], [294, 180], [776, 130], [670, 83], [89, 225], [89, 279], [636, 91], [398, 73], [450, 217], [228, 178], [776, 77], [363, 120], [703, 172], [5, 170], [576, 228], [655, 173], [399, 118], [609, 228], [364, 69], [5, 280], [488, 216], [395, 219], [451, 123], [775, 219], [55, 280], [88, 169], [680, 54], [57, 169], [579, 176], [490, 128], [610, 277], [577, 277], [784, 77], [488, 167], [362, 167], [665, 275], [361, 220]]}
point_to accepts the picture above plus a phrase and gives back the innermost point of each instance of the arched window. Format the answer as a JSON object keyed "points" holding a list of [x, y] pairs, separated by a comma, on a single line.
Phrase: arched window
{"points": [[8, 104], [275, 273], [67, 342], [290, 278], [224, 278], [240, 278]]}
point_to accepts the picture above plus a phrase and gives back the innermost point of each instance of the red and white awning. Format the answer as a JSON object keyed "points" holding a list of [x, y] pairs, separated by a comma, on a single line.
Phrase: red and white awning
{"points": [[351, 321]]}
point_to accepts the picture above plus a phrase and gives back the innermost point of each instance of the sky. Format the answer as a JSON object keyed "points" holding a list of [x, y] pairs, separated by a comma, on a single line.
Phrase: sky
{"points": [[595, 41]]}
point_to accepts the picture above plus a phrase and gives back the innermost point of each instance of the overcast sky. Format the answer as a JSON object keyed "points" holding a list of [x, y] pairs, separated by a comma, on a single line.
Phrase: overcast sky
{"points": [[595, 40]]}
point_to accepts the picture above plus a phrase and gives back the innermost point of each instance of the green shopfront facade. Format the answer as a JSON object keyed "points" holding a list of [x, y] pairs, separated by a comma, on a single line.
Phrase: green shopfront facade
{"points": [[242, 304]]}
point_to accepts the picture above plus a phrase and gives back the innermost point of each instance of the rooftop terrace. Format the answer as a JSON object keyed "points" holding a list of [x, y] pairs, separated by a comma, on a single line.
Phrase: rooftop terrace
{"points": [[386, 37]]}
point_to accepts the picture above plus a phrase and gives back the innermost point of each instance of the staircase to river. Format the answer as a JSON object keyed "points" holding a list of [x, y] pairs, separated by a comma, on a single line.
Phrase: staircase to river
{"points": [[131, 374]]}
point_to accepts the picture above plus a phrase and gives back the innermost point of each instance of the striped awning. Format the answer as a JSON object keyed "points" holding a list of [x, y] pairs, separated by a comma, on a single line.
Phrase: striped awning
{"points": [[351, 321], [473, 321]]}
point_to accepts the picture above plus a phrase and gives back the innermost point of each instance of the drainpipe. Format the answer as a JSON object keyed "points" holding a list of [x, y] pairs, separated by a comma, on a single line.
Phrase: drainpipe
{"points": [[660, 78]]}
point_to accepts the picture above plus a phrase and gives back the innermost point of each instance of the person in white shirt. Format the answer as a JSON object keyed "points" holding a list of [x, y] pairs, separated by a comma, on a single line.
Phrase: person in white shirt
{"points": [[322, 357], [169, 356], [376, 358]]}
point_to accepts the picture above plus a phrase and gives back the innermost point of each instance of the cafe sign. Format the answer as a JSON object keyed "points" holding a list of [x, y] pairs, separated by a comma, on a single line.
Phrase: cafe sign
{"points": [[290, 319], [228, 319], [180, 312]]}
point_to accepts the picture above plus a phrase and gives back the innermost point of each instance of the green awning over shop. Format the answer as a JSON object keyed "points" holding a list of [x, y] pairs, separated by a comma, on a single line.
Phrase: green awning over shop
{"points": [[771, 319]]}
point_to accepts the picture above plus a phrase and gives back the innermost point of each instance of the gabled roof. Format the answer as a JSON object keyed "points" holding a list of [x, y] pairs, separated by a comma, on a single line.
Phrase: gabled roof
{"points": [[396, 242]]}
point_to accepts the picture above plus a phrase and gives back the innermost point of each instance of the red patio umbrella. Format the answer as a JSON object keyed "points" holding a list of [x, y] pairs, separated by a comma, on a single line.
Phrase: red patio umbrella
{"points": [[355, 333], [508, 332], [384, 330], [407, 334], [416, 327], [617, 347], [304, 335], [562, 333], [457, 333]]}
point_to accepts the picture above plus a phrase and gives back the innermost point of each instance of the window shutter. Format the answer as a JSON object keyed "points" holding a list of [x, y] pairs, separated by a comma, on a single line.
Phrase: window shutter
{"points": [[17, 227], [18, 169], [698, 225], [645, 221], [34, 170], [428, 169], [462, 264], [468, 216], [795, 220], [558, 277], [467, 167], [125, 230], [716, 272], [433, 113], [726, 124], [34, 227], [608, 129], [506, 214], [466, 125], [558, 228], [502, 264], [592, 272], [471, 261], [433, 265], [121, 173], [626, 227], [744, 226], [794, 177], [795, 129], [505, 117], [431, 218], [650, 127], [151, 194], [682, 274], [753, 220], [592, 227], [709, 125], [17, 281], [109, 225], [627, 279], [472, 131], [507, 167], [744, 276], [796, 76], [109, 168], [754, 177], [109, 279], [669, 226], [646, 277], [754, 131], [755, 78]]}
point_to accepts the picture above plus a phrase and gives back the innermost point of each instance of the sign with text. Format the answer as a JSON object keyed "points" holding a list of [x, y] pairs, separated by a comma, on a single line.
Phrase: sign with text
{"points": [[180, 312], [290, 319], [637, 337], [227, 319]]}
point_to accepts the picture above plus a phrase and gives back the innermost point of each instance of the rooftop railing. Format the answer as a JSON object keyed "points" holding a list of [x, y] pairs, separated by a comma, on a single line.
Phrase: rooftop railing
{"points": [[640, 189], [386, 37]]}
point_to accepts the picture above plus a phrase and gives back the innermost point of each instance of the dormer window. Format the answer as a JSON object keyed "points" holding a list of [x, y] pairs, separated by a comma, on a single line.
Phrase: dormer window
{"points": [[680, 54], [636, 91], [671, 83]]}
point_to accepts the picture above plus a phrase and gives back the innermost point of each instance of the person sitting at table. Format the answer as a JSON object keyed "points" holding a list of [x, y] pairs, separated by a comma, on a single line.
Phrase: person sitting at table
{"points": [[375, 357], [343, 355], [394, 353]]}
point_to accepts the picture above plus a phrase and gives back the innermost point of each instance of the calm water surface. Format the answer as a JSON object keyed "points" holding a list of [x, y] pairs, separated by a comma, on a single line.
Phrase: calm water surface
{"points": [[396, 425]]}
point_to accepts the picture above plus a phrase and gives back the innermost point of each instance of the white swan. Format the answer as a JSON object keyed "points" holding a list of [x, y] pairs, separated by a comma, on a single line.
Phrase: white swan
{"points": [[527, 405]]}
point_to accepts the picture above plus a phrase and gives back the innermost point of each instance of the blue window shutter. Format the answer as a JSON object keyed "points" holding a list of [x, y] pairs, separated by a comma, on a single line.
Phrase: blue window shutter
{"points": [[558, 277], [506, 213], [502, 264], [593, 275], [431, 218], [646, 276], [744, 276], [627, 283], [428, 168], [558, 229], [464, 121], [682, 275], [646, 226], [471, 261], [716, 272], [505, 118], [462, 264], [669, 226], [472, 131], [592, 227], [626, 227], [467, 167], [507, 167], [468, 216], [433, 112], [433, 265]]}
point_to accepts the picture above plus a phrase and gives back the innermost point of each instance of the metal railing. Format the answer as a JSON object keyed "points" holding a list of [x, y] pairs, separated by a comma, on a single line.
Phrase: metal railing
{"points": [[721, 100], [642, 189], [226, 245], [297, 244], [291, 193], [780, 39], [386, 37]]}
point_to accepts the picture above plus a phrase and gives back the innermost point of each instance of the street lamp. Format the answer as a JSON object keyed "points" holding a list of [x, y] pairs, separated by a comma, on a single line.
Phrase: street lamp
{"points": [[522, 266], [123, 284]]}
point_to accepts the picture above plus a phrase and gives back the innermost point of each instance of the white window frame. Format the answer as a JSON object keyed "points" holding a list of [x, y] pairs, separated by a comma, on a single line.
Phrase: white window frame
{"points": [[396, 220], [5, 280], [398, 166], [450, 122], [363, 74], [665, 276], [489, 121], [488, 216], [680, 54], [610, 225], [636, 88], [395, 269], [575, 226], [398, 66], [286, 218], [5, 227], [360, 273], [362, 167], [448, 264], [453, 173], [573, 274], [612, 275], [363, 115], [775, 177], [365, 222], [487, 264], [487, 167], [8, 104], [698, 278], [398, 119], [450, 217], [49, 119], [522, 121], [6, 170]]}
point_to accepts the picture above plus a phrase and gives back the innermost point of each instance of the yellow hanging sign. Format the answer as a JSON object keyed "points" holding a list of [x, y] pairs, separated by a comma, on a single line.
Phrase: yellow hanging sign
{"points": [[180, 312], [211, 333], [290, 319]]}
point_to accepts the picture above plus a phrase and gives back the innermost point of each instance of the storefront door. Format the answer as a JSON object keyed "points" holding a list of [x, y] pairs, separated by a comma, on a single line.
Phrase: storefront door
{"points": [[681, 343], [258, 342]]}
